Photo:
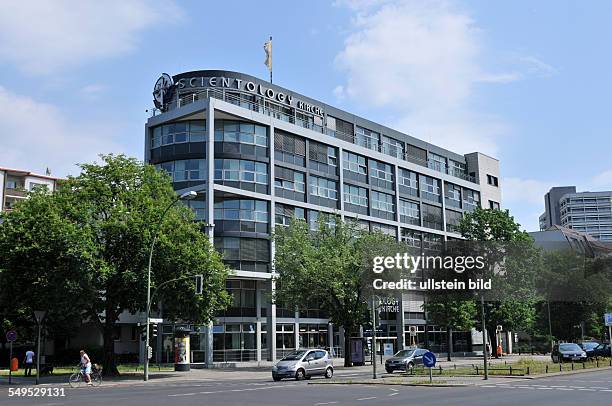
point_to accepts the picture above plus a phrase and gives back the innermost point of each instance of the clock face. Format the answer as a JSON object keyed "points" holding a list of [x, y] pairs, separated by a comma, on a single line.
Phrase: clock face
{"points": [[161, 89]]}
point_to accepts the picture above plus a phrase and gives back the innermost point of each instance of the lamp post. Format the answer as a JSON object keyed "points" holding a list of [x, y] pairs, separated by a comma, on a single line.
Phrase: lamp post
{"points": [[185, 196], [39, 315]]}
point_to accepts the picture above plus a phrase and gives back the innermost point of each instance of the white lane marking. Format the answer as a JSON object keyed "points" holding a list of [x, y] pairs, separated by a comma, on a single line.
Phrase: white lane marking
{"points": [[598, 387], [564, 388], [488, 386], [606, 390], [544, 388], [588, 390], [183, 394], [325, 403], [392, 394], [370, 398]]}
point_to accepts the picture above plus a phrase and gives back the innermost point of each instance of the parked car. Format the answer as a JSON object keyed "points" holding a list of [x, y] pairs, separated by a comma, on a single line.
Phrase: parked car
{"points": [[602, 350], [589, 347], [567, 352], [304, 364], [405, 360]]}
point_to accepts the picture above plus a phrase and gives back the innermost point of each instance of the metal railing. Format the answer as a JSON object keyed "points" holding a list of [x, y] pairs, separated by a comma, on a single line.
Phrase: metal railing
{"points": [[235, 99]]}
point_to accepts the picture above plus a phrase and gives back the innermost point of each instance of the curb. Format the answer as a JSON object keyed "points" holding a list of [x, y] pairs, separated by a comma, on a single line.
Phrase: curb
{"points": [[574, 372], [439, 385]]}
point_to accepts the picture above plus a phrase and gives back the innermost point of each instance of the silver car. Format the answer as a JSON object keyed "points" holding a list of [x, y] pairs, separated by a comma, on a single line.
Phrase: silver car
{"points": [[304, 364], [405, 360]]}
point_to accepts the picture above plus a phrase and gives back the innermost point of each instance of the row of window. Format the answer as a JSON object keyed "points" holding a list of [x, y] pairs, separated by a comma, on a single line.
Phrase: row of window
{"points": [[179, 132], [185, 170], [241, 132], [241, 170]]}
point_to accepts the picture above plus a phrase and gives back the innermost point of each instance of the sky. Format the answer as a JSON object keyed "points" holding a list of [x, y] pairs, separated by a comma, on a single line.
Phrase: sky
{"points": [[525, 82]]}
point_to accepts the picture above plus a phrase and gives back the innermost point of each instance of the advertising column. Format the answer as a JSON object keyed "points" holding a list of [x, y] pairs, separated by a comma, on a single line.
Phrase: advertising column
{"points": [[182, 351]]}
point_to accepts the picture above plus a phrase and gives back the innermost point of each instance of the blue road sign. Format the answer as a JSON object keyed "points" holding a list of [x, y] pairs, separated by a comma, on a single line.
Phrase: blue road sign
{"points": [[608, 319], [11, 336], [429, 359]]}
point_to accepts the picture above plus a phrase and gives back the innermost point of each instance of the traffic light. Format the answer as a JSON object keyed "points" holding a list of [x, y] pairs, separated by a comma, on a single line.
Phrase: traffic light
{"points": [[154, 330], [149, 352]]}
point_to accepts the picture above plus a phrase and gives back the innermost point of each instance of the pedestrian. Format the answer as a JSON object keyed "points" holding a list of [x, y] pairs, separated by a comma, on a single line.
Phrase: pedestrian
{"points": [[28, 361]]}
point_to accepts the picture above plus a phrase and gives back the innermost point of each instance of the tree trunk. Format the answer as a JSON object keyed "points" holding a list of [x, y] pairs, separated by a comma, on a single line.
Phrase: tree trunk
{"points": [[449, 342], [109, 365], [348, 362]]}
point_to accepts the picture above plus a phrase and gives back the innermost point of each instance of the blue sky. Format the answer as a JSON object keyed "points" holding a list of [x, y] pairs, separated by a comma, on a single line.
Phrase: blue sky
{"points": [[527, 82]]}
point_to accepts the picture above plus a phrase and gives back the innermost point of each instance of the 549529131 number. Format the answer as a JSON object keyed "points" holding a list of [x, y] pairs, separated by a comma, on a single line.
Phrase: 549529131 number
{"points": [[36, 392]]}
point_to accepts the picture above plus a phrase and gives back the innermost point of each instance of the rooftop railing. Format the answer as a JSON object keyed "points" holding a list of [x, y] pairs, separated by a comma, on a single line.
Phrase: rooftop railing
{"points": [[273, 110]]}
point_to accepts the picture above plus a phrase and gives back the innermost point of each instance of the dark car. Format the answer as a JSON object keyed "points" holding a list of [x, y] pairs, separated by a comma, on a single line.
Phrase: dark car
{"points": [[589, 347], [602, 350], [568, 352], [405, 360]]}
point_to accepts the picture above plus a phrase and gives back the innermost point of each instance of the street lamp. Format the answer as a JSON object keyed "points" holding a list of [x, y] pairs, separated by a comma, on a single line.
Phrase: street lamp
{"points": [[39, 315], [190, 195]]}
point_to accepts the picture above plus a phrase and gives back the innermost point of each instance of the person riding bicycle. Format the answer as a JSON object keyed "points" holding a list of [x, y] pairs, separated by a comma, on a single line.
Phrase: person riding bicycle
{"points": [[86, 366]]}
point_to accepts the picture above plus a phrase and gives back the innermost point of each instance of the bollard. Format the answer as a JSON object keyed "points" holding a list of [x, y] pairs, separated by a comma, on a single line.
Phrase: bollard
{"points": [[597, 362], [476, 369], [454, 366], [583, 366], [440, 369], [546, 368], [510, 370], [528, 370], [572, 365], [560, 366]]}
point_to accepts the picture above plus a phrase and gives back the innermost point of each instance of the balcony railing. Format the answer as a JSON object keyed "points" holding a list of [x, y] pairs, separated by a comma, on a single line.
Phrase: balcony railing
{"points": [[388, 149]]}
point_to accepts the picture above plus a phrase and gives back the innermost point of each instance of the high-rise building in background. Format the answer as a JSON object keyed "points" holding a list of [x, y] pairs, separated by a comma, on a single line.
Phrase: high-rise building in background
{"points": [[588, 212], [258, 155]]}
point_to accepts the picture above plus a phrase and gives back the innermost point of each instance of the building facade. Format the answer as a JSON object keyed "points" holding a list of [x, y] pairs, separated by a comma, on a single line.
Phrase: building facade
{"points": [[15, 185], [258, 155], [588, 212]]}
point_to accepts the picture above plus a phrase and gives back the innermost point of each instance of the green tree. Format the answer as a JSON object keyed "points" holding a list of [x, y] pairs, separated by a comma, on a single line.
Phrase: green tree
{"points": [[513, 262], [331, 266], [81, 253]]}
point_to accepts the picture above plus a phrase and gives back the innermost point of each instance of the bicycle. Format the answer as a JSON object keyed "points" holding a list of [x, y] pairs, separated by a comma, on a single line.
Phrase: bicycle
{"points": [[77, 378]]}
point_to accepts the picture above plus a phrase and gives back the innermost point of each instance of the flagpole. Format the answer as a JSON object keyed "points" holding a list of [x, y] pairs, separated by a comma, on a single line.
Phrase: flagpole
{"points": [[270, 60]]}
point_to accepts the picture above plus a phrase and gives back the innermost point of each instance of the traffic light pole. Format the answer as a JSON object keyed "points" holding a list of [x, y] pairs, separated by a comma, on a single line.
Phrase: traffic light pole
{"points": [[373, 338], [484, 338]]}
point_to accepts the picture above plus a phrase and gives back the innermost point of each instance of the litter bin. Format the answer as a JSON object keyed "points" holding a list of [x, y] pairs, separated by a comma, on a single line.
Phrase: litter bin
{"points": [[181, 349], [14, 364]]}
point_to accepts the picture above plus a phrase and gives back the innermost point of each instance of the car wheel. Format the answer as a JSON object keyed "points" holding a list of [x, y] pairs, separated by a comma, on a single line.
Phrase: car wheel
{"points": [[389, 371], [329, 372], [409, 367], [276, 378], [300, 374]]}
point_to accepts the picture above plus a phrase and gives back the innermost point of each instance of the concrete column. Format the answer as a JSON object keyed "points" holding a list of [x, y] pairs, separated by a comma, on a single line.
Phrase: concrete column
{"points": [[271, 318], [341, 180], [209, 345], [271, 323], [210, 205], [401, 342], [296, 331], [258, 322], [330, 338]]}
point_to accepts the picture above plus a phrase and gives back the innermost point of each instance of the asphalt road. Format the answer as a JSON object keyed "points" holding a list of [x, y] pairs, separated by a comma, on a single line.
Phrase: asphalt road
{"points": [[593, 388]]}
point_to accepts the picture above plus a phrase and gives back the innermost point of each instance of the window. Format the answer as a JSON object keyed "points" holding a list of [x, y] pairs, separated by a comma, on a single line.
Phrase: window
{"points": [[339, 128], [366, 138], [432, 216], [412, 238], [247, 254], [381, 171], [457, 169], [384, 228], [179, 132], [313, 220], [471, 199], [242, 132], [407, 182], [322, 153], [290, 148], [453, 218], [34, 185], [453, 195], [289, 180], [492, 180], [493, 205], [323, 187], [241, 170], [354, 163], [382, 202], [198, 206], [430, 188], [393, 147], [355, 195], [409, 212], [284, 214], [437, 162], [416, 155], [237, 209], [185, 170]]}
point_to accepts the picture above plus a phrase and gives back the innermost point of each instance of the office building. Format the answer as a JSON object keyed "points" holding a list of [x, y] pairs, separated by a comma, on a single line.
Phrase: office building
{"points": [[258, 155], [588, 212]]}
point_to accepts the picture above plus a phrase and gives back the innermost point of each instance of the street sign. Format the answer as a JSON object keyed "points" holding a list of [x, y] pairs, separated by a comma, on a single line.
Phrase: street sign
{"points": [[608, 319], [388, 349], [155, 321], [499, 328], [11, 336], [429, 359]]}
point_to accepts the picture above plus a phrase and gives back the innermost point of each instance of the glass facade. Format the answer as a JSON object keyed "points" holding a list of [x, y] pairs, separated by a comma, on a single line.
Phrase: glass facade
{"points": [[185, 170], [179, 132]]}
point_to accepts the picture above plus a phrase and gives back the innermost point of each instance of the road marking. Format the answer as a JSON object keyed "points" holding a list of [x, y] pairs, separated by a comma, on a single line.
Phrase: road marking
{"points": [[370, 398], [394, 390], [488, 386], [183, 394], [544, 388], [392, 394], [598, 387], [606, 390], [588, 390], [325, 403], [564, 388]]}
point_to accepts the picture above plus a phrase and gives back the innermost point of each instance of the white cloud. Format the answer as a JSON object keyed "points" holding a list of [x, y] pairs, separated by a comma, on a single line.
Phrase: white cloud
{"points": [[602, 181], [420, 61], [529, 191], [92, 91], [42, 37], [36, 135]]}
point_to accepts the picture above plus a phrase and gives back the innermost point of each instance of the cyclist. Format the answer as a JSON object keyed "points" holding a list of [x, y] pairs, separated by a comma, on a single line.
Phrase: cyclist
{"points": [[86, 367]]}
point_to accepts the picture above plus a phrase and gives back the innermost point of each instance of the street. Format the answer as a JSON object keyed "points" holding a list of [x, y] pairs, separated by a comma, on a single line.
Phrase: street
{"points": [[592, 388]]}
